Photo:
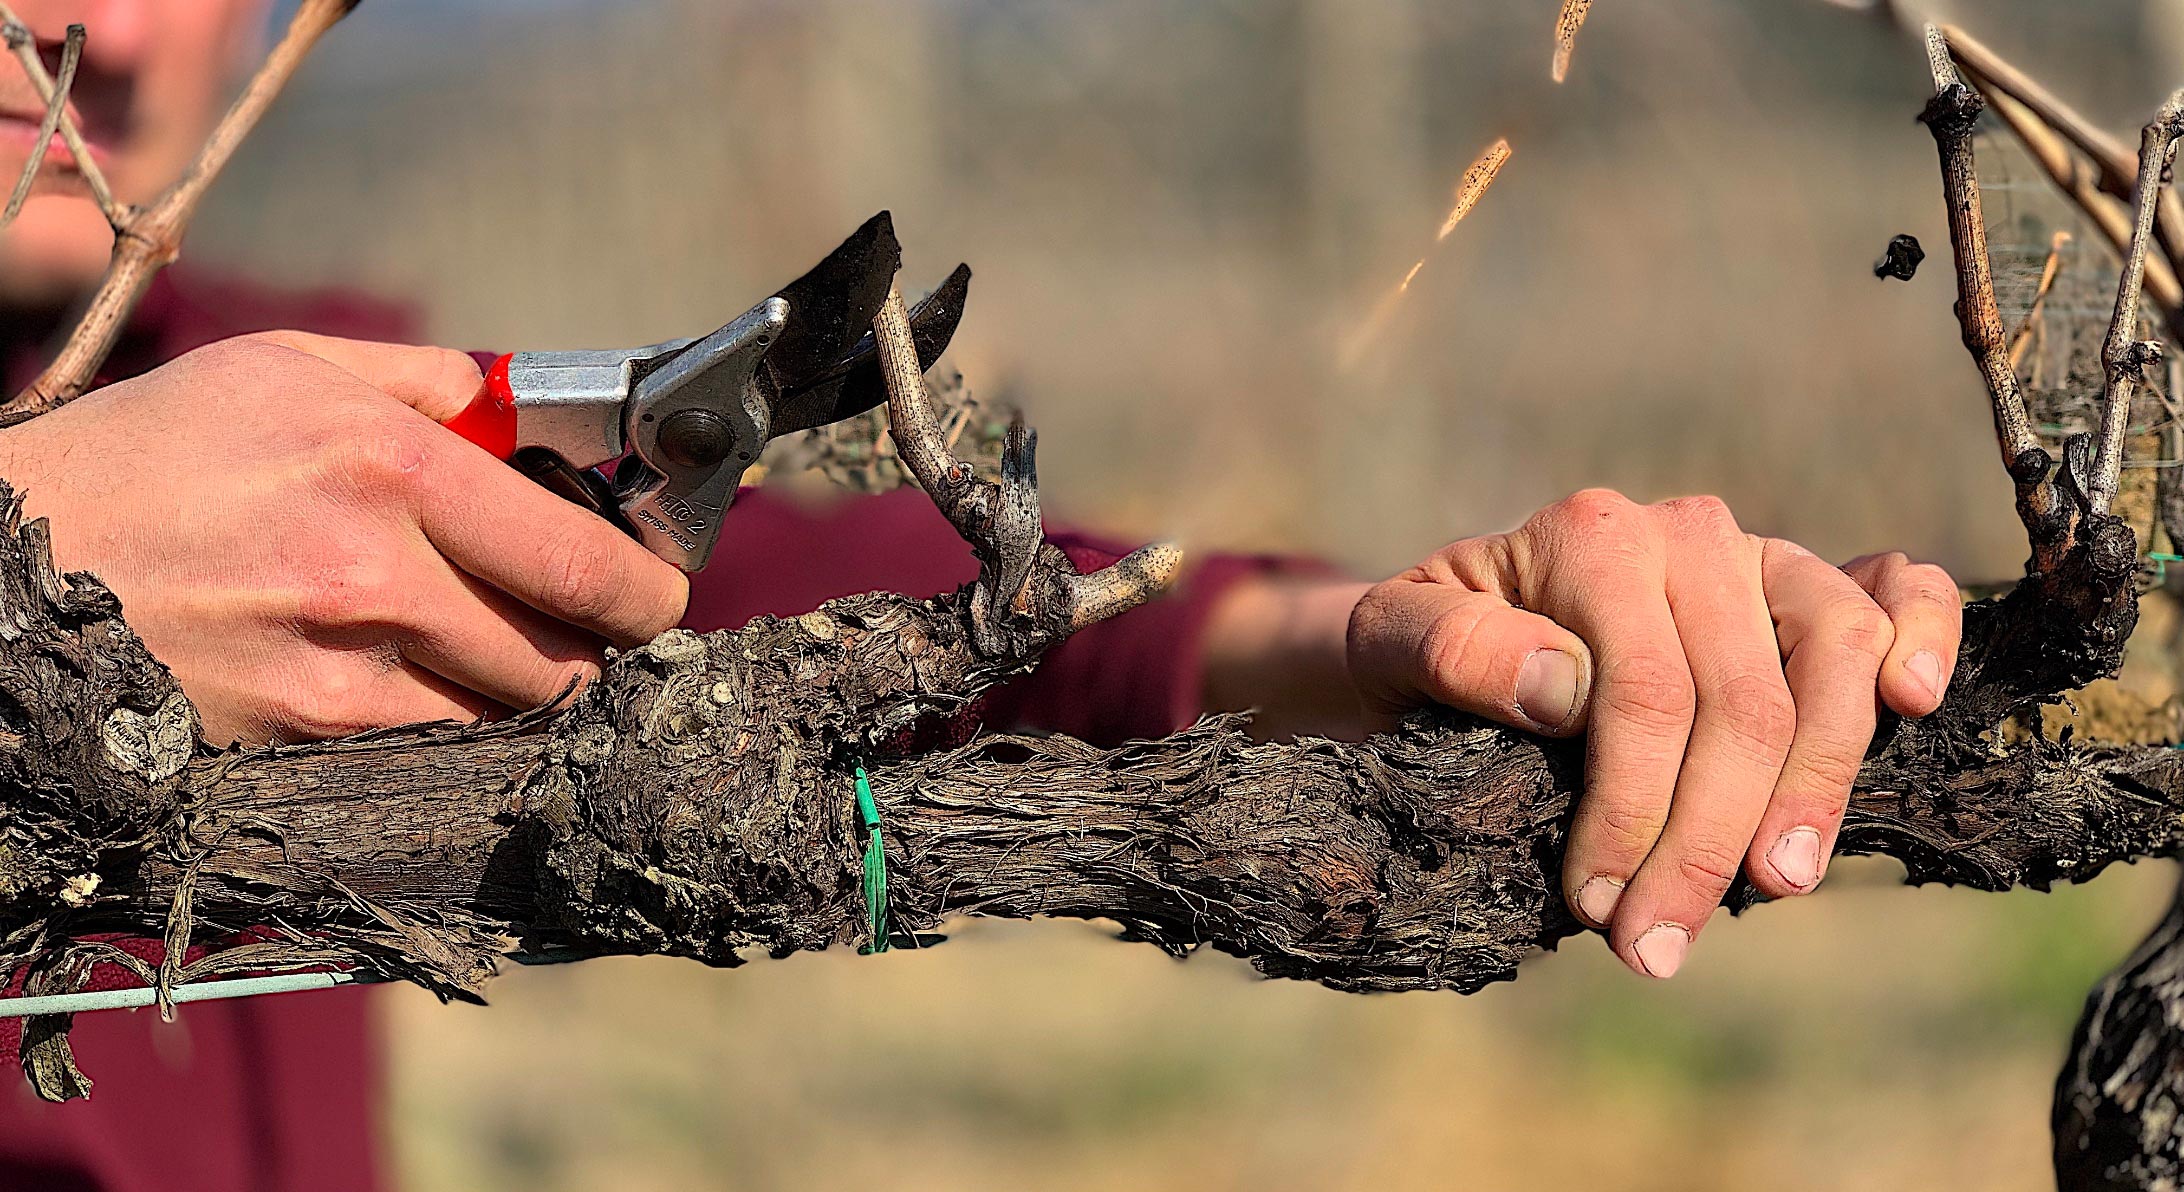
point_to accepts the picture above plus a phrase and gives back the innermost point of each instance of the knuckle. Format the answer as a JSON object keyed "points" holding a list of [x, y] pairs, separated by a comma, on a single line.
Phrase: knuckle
{"points": [[1651, 689], [253, 353], [673, 604], [1606, 527], [1462, 563], [329, 700], [362, 592], [1708, 869], [1826, 770], [1863, 571], [444, 373], [1758, 710], [1629, 829], [1703, 514], [564, 679], [576, 581], [1857, 628], [456, 370], [1702, 505], [1450, 644], [1933, 583], [379, 456], [1369, 623], [1587, 506], [245, 344]]}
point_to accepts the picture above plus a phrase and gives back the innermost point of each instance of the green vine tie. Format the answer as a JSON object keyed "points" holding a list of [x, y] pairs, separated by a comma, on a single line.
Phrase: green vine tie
{"points": [[875, 866]]}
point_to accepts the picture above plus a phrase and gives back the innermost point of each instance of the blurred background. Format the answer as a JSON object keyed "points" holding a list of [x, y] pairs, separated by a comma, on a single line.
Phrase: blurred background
{"points": [[1181, 213]]}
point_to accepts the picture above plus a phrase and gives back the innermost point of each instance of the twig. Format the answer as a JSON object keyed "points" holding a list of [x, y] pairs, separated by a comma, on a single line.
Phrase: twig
{"points": [[146, 240], [1949, 115], [2125, 357], [2118, 168], [56, 108], [1000, 521], [2023, 338], [54, 94], [910, 412], [2169, 482], [1567, 24]]}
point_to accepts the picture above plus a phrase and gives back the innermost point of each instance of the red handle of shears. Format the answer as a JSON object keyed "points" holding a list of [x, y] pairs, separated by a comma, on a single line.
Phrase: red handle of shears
{"points": [[490, 418]]}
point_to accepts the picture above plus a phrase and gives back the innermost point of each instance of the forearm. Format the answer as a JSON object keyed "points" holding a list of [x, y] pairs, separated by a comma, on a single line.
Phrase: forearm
{"points": [[1277, 645]]}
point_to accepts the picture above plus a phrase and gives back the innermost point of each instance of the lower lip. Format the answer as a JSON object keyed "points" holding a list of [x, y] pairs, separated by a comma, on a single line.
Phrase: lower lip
{"points": [[21, 135]]}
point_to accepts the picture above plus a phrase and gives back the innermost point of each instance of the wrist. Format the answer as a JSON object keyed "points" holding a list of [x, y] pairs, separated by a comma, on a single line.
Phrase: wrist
{"points": [[1278, 645], [19, 454]]}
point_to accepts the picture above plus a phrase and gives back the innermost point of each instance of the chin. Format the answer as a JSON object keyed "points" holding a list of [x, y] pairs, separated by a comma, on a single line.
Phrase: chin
{"points": [[55, 251]]}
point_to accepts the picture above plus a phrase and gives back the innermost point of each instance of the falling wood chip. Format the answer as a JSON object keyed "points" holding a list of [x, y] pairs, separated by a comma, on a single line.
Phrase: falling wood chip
{"points": [[1474, 183], [1469, 188], [1566, 27]]}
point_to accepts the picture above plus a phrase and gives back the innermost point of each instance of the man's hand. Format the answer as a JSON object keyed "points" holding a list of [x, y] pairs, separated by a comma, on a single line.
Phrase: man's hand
{"points": [[290, 530], [1727, 685]]}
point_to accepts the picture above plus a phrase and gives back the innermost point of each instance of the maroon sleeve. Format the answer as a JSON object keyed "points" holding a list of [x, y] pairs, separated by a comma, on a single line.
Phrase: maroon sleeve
{"points": [[1138, 675]]}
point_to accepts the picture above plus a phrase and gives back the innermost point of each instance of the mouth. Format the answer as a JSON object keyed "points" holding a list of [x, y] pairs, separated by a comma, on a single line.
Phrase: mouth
{"points": [[19, 134]]}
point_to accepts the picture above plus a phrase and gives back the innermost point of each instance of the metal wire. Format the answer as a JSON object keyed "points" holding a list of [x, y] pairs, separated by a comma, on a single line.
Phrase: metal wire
{"points": [[232, 987], [196, 991]]}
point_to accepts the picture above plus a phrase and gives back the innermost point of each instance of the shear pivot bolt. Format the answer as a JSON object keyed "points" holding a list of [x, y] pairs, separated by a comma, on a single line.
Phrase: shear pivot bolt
{"points": [[696, 438]]}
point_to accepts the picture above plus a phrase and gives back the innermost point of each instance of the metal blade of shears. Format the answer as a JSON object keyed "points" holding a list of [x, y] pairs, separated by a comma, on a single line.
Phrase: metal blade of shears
{"points": [[832, 306], [852, 383]]}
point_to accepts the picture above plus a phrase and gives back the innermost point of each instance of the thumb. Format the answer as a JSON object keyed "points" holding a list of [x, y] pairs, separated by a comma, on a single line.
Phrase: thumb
{"points": [[436, 382], [1414, 642]]}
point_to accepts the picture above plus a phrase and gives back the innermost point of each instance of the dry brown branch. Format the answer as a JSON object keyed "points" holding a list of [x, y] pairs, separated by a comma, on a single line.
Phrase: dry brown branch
{"points": [[1000, 520], [56, 109], [25, 48], [1567, 23], [2125, 357], [149, 238], [1950, 116], [2116, 165], [2023, 337]]}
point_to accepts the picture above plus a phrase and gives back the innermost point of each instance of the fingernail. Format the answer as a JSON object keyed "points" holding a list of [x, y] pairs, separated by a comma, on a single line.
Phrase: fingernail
{"points": [[1596, 899], [1796, 858], [1925, 666], [1661, 949], [1547, 688]]}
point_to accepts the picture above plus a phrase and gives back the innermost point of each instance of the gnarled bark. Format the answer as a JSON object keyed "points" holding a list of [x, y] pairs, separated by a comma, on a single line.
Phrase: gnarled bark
{"points": [[696, 802]]}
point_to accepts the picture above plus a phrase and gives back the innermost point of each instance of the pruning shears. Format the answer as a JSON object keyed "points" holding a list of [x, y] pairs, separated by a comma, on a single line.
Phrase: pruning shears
{"points": [[680, 421]]}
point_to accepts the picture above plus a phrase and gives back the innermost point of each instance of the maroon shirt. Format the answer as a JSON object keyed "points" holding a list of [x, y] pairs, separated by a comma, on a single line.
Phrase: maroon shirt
{"points": [[284, 1092]]}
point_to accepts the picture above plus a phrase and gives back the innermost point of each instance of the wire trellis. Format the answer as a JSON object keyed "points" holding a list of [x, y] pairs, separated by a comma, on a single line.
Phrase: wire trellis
{"points": [[138, 997], [2061, 358]]}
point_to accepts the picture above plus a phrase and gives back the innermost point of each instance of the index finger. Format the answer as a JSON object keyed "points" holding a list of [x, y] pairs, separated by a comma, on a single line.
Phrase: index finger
{"points": [[1928, 613], [435, 382], [559, 558]]}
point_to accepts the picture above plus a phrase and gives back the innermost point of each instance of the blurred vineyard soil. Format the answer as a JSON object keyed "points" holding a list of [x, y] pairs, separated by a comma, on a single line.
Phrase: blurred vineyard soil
{"points": [[1180, 211]]}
